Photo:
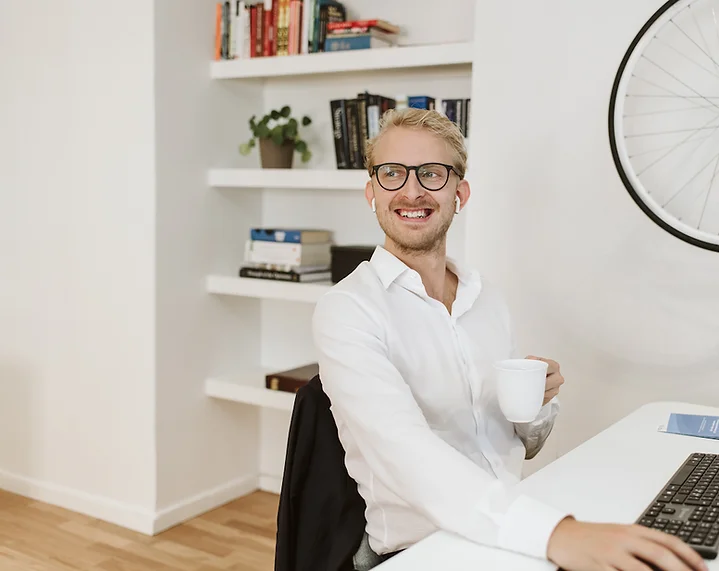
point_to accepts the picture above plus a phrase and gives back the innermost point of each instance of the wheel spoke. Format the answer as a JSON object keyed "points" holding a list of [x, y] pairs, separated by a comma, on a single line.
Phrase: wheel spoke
{"points": [[687, 183], [665, 117], [709, 191]]}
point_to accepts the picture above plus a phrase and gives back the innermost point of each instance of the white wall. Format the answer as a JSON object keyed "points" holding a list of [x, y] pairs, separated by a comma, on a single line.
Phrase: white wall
{"points": [[207, 450], [628, 310], [77, 292]]}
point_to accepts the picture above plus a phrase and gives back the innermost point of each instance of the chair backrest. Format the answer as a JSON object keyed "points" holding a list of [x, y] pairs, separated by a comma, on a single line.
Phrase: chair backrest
{"points": [[320, 521]]}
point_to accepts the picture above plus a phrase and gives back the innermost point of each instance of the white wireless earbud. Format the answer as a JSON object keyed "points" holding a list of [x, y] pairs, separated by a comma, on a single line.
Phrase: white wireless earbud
{"points": [[374, 206], [457, 204]]}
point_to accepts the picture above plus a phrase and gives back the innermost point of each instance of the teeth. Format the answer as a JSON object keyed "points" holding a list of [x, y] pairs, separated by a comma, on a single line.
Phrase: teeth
{"points": [[413, 213]]}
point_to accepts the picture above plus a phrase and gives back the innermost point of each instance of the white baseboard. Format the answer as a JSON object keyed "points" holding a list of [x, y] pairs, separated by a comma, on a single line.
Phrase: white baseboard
{"points": [[272, 484], [131, 517], [128, 516], [203, 502]]}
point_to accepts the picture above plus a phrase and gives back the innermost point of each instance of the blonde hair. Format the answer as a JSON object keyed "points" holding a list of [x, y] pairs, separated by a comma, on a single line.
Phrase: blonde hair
{"points": [[426, 120]]}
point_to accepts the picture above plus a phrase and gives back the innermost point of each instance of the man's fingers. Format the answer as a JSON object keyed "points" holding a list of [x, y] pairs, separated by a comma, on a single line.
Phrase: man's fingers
{"points": [[554, 381], [629, 563], [549, 395], [658, 555], [675, 545], [553, 366]]}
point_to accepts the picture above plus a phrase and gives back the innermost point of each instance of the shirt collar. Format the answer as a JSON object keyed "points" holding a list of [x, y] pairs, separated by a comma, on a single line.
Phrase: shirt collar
{"points": [[389, 268]]}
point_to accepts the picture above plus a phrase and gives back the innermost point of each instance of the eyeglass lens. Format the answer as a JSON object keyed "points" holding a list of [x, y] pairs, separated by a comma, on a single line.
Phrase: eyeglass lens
{"points": [[432, 176]]}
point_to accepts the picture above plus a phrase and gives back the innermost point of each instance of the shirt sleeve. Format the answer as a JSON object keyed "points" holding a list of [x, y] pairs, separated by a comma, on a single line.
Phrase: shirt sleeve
{"points": [[376, 406], [535, 433]]}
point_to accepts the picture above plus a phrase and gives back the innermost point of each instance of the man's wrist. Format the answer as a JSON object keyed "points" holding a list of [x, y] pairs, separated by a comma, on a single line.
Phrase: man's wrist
{"points": [[554, 545]]}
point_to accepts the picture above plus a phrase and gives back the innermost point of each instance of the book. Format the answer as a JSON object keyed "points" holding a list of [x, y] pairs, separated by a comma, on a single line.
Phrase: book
{"points": [[293, 235], [285, 275], [287, 267], [354, 42], [698, 425], [421, 102], [293, 379], [363, 24], [353, 122], [287, 253]]}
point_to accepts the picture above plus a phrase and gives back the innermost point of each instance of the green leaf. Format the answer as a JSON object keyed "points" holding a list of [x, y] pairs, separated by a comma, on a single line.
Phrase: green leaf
{"points": [[306, 156], [245, 149], [306, 121], [300, 146], [275, 114], [263, 131], [276, 135], [285, 111], [253, 125], [251, 143], [291, 129]]}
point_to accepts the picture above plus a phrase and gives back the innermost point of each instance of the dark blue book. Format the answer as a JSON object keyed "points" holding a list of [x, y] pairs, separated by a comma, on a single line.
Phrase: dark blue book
{"points": [[420, 102], [290, 235], [356, 42]]}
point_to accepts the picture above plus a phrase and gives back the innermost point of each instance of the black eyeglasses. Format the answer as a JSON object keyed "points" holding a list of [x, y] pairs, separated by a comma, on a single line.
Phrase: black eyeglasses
{"points": [[432, 176]]}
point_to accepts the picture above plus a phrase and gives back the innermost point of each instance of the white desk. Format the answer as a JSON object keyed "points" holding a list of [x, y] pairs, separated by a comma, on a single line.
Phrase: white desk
{"points": [[630, 461]]}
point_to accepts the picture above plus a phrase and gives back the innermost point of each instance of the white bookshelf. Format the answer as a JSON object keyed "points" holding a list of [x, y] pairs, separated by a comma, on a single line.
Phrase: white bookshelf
{"points": [[400, 57], [436, 61], [249, 388], [267, 289], [294, 178]]}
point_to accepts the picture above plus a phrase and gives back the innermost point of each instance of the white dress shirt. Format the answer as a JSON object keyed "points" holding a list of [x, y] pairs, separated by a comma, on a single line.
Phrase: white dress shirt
{"points": [[417, 414]]}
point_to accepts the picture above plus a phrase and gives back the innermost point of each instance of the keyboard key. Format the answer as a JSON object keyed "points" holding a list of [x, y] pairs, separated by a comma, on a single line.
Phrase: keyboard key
{"points": [[688, 505]]}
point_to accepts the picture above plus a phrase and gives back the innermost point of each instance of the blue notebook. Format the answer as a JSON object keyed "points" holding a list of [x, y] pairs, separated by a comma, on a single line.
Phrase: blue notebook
{"points": [[693, 425]]}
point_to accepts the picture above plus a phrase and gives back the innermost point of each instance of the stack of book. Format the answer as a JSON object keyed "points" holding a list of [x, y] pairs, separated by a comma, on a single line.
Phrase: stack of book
{"points": [[360, 35], [288, 254]]}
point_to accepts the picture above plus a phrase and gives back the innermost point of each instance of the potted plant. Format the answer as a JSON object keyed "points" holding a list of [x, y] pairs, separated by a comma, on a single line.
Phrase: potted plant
{"points": [[278, 140]]}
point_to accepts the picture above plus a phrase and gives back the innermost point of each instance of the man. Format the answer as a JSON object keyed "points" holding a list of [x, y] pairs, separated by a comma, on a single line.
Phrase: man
{"points": [[406, 344]]}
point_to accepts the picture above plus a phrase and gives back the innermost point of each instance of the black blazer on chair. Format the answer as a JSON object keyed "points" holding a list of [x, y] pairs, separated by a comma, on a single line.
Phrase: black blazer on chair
{"points": [[320, 521]]}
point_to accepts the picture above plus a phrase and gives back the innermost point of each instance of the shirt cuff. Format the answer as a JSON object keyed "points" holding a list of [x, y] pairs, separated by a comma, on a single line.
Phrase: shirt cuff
{"points": [[527, 527]]}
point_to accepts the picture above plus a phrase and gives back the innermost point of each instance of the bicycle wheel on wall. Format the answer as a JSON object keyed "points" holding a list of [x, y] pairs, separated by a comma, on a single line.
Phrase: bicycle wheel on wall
{"points": [[664, 120]]}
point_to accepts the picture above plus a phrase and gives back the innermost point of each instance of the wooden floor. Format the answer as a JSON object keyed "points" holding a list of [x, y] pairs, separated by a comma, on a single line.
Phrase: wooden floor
{"points": [[236, 537]]}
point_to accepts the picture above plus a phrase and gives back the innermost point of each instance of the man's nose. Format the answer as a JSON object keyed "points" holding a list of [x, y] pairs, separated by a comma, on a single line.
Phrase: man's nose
{"points": [[412, 189]]}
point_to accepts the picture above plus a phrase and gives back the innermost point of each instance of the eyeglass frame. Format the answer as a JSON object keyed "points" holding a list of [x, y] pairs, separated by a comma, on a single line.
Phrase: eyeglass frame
{"points": [[415, 168]]}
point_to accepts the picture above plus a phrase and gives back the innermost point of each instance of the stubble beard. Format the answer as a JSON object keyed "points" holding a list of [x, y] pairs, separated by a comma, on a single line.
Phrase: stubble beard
{"points": [[419, 242]]}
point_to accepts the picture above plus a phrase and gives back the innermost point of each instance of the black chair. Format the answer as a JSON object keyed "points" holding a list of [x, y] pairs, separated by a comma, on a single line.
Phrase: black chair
{"points": [[320, 520]]}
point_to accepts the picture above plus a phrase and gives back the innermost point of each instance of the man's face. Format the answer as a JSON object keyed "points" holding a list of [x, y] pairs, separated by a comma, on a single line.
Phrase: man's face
{"points": [[397, 211]]}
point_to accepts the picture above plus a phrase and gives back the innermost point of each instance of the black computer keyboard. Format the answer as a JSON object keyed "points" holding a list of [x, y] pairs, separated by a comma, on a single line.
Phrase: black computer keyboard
{"points": [[688, 505]]}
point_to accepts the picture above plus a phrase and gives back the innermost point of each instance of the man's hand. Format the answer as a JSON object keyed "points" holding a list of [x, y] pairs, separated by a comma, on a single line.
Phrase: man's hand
{"points": [[554, 379], [580, 546]]}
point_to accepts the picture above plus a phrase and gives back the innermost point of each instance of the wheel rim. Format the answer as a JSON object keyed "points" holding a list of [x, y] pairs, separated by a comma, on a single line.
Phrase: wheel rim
{"points": [[664, 120]]}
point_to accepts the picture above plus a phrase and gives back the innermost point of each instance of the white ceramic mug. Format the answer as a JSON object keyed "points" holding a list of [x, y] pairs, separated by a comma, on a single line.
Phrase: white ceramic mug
{"points": [[520, 388]]}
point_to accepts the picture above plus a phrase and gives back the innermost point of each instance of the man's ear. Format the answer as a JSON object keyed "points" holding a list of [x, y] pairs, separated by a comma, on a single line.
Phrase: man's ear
{"points": [[463, 193], [369, 192]]}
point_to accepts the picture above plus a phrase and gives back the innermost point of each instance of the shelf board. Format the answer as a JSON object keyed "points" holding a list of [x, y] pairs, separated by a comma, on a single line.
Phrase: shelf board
{"points": [[267, 289], [249, 388], [334, 179], [400, 57]]}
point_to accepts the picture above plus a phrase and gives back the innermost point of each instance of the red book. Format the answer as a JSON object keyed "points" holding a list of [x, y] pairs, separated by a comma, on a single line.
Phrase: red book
{"points": [[292, 380], [381, 24], [253, 29], [267, 32]]}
